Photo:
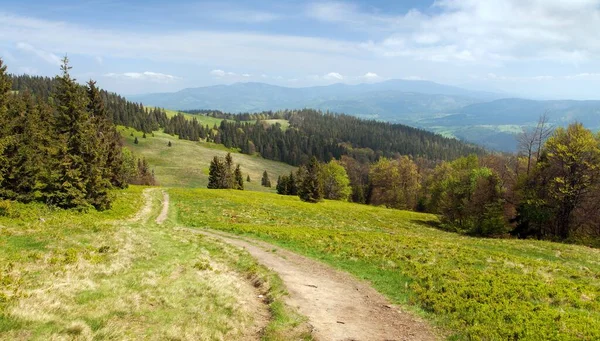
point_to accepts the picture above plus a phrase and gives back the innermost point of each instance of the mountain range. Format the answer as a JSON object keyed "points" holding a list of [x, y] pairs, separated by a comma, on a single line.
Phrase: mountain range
{"points": [[486, 118]]}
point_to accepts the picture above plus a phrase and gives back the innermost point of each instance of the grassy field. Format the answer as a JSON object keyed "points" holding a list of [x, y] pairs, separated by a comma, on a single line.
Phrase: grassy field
{"points": [[211, 121], [284, 123], [482, 289], [186, 163], [202, 119], [114, 275]]}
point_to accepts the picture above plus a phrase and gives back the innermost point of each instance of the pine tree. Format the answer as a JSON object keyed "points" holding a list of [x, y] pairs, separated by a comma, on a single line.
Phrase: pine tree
{"points": [[215, 173], [311, 188], [98, 169], [135, 141], [265, 181], [282, 186], [144, 135], [169, 144], [292, 186], [239, 180], [73, 128], [228, 179], [248, 178], [5, 87]]}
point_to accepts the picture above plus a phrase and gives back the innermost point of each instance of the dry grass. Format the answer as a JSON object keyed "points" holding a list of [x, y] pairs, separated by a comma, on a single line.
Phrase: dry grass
{"points": [[104, 276]]}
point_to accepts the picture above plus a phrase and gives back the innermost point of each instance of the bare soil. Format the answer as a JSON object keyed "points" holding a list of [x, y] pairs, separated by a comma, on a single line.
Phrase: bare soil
{"points": [[338, 306], [164, 210]]}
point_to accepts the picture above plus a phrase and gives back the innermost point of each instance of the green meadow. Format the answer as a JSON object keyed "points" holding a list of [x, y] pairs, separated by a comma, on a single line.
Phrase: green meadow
{"points": [[477, 289], [117, 275], [186, 163]]}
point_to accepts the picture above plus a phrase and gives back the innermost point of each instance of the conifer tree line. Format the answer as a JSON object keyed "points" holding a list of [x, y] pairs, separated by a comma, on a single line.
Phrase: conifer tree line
{"points": [[120, 111], [62, 149], [223, 175]]}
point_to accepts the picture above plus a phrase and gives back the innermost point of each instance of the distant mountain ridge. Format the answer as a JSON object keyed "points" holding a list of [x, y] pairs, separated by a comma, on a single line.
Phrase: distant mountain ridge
{"points": [[486, 118], [252, 96]]}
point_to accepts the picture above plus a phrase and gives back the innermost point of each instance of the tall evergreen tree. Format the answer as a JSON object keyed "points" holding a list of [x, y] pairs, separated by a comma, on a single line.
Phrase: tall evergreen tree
{"points": [[282, 185], [228, 180], [265, 181], [238, 178], [215, 173], [292, 185], [311, 187], [69, 185], [97, 168]]}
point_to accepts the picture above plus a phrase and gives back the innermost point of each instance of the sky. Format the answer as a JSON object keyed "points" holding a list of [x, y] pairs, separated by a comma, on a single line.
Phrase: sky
{"points": [[537, 48]]}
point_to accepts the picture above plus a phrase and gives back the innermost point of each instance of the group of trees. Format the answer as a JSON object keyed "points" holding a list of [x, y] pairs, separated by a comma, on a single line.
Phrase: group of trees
{"points": [[61, 149], [550, 190], [316, 181], [222, 174]]}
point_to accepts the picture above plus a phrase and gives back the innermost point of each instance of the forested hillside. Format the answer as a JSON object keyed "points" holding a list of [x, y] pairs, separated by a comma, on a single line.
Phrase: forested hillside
{"points": [[313, 133], [120, 110]]}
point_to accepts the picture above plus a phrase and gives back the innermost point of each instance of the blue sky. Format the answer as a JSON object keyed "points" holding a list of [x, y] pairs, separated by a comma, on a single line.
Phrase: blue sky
{"points": [[534, 48]]}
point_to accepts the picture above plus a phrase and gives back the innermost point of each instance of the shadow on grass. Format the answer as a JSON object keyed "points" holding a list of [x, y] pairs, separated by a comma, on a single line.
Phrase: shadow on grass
{"points": [[429, 223]]}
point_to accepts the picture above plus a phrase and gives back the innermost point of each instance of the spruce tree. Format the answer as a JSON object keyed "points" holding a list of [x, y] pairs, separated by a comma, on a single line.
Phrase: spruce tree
{"points": [[144, 135], [239, 180], [265, 181], [228, 179], [73, 129], [292, 186], [135, 141], [99, 171], [311, 189], [248, 178], [169, 144], [5, 86], [215, 173], [282, 185]]}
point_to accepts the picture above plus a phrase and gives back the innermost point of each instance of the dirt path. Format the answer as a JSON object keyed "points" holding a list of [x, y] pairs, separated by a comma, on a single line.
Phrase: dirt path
{"points": [[146, 210], [165, 209], [339, 306]]}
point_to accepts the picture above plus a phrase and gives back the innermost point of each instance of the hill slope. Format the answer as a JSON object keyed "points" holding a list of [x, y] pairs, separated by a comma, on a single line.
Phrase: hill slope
{"points": [[186, 163]]}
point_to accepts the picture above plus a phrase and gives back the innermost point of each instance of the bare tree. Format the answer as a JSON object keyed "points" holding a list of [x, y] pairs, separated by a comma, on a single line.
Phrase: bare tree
{"points": [[531, 141]]}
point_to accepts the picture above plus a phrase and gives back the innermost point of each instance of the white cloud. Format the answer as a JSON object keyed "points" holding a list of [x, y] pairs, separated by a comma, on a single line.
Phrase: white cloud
{"points": [[333, 76], [246, 75], [146, 76], [489, 32], [99, 60], [261, 51], [45, 55], [221, 74], [370, 77], [218, 73]]}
